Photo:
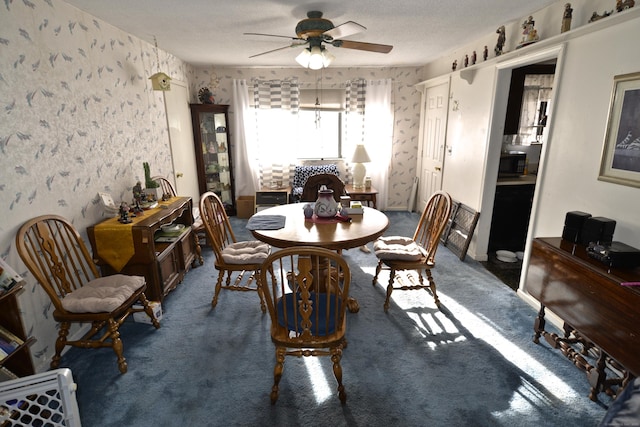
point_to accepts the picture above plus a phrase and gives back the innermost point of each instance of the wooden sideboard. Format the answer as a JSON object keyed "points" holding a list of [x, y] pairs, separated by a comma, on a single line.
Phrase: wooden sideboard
{"points": [[598, 312], [162, 264]]}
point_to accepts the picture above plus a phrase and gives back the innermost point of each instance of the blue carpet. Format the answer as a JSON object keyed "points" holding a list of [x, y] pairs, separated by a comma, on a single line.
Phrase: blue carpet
{"points": [[473, 363]]}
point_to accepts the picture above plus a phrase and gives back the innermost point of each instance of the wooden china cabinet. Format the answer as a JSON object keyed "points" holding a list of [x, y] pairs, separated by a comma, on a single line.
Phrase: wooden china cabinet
{"points": [[213, 153]]}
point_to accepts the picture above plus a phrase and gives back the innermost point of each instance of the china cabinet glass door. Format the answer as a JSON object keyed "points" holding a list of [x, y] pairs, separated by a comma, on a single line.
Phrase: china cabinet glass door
{"points": [[213, 159]]}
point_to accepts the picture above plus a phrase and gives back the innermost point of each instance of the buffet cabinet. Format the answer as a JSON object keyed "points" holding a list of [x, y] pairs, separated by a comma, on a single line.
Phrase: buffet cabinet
{"points": [[598, 305], [213, 154], [162, 258]]}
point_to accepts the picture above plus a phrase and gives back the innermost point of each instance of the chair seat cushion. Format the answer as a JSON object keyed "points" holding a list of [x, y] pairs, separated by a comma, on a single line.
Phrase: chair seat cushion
{"points": [[398, 248], [102, 295], [320, 309], [249, 252]]}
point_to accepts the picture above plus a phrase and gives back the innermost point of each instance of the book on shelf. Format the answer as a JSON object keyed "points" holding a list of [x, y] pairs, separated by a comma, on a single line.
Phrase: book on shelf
{"points": [[7, 347], [10, 336], [6, 374], [8, 277]]}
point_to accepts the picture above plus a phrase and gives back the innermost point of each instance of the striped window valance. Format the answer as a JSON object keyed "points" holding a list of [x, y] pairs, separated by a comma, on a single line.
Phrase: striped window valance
{"points": [[282, 94], [355, 91]]}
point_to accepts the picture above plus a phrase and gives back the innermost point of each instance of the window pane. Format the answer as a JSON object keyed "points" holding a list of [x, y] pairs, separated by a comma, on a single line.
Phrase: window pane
{"points": [[319, 139]]}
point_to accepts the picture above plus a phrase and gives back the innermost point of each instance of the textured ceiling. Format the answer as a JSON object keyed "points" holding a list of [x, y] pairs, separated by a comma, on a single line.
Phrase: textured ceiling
{"points": [[211, 32]]}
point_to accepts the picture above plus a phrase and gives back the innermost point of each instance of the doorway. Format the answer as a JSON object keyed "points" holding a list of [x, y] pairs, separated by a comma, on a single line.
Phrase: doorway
{"points": [[181, 141], [435, 107], [506, 122]]}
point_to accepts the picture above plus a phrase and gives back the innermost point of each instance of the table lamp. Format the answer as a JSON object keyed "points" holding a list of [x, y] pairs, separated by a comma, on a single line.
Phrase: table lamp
{"points": [[360, 156]]}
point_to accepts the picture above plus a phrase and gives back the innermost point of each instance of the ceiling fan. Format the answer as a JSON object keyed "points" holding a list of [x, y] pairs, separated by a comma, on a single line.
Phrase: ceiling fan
{"points": [[315, 31]]}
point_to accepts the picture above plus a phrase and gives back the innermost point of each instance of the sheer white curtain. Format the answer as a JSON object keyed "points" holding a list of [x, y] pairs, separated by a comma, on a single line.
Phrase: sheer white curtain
{"points": [[246, 169], [537, 89], [277, 103], [369, 121]]}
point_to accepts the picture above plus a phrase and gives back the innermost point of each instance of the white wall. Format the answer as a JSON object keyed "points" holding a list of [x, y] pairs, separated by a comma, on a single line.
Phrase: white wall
{"points": [[575, 144]]}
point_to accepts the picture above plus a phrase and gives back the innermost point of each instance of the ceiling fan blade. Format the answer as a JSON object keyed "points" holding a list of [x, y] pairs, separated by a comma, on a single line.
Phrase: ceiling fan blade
{"points": [[371, 47], [344, 30], [273, 35], [275, 50]]}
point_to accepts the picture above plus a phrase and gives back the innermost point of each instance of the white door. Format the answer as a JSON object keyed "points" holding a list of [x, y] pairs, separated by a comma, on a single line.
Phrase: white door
{"points": [[183, 153], [434, 129]]}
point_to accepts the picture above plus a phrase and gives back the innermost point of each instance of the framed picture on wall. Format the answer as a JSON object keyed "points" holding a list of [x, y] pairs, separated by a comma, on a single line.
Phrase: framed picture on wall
{"points": [[621, 153]]}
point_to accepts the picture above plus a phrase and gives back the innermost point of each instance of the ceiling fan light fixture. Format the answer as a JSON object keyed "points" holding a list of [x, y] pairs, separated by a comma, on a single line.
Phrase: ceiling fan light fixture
{"points": [[315, 58], [303, 58]]}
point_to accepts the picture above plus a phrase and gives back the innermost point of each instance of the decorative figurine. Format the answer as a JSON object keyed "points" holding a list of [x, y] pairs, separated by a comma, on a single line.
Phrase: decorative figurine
{"points": [[502, 37], [137, 210], [529, 33], [137, 191], [454, 65], [466, 61], [308, 211], [595, 17], [205, 96], [485, 53], [624, 5], [473, 58], [124, 214], [566, 18]]}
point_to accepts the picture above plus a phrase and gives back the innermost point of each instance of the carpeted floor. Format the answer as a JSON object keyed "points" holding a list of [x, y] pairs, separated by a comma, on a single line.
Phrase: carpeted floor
{"points": [[473, 363]]}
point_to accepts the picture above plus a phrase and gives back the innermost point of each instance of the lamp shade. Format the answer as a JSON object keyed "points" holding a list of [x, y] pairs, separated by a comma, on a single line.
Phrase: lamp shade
{"points": [[360, 155]]}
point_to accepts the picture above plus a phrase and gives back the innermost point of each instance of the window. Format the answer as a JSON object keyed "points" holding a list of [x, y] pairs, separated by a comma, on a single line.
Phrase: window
{"points": [[283, 135], [322, 134]]}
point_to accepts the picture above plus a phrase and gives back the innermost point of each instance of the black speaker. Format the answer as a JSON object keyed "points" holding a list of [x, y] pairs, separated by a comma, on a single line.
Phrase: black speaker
{"points": [[573, 223], [597, 229]]}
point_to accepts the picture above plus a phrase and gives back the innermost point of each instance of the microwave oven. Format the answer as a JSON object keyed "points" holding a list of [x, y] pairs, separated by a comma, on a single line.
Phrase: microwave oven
{"points": [[512, 163]]}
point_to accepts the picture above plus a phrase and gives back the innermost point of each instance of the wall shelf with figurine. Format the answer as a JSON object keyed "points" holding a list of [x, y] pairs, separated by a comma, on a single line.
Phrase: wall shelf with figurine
{"points": [[616, 18]]}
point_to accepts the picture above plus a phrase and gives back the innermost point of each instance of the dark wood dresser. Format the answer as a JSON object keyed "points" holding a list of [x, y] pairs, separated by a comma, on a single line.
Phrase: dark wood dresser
{"points": [[163, 264], [599, 313]]}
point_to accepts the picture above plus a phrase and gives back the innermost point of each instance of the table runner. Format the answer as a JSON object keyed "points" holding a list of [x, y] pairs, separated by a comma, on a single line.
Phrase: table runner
{"points": [[114, 240]]}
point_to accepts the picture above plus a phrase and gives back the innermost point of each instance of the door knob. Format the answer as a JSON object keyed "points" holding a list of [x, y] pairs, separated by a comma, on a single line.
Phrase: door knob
{"points": [[179, 175], [438, 168]]}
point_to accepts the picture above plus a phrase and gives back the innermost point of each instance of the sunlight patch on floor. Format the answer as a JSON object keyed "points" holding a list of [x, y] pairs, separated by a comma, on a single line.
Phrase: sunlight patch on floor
{"points": [[319, 382], [528, 394]]}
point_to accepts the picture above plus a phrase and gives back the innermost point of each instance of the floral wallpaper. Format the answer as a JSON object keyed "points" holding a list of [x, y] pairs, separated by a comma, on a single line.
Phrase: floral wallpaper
{"points": [[406, 100], [78, 117]]}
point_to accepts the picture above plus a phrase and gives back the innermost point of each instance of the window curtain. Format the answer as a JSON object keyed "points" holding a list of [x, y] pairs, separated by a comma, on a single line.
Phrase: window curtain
{"points": [[537, 89], [279, 101], [246, 169], [369, 122]]}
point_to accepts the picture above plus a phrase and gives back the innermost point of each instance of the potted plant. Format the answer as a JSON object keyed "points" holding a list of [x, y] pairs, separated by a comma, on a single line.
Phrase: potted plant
{"points": [[150, 184]]}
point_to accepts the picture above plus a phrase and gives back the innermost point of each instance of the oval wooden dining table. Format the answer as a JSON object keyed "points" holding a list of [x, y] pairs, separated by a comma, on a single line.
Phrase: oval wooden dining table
{"points": [[327, 233]]}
